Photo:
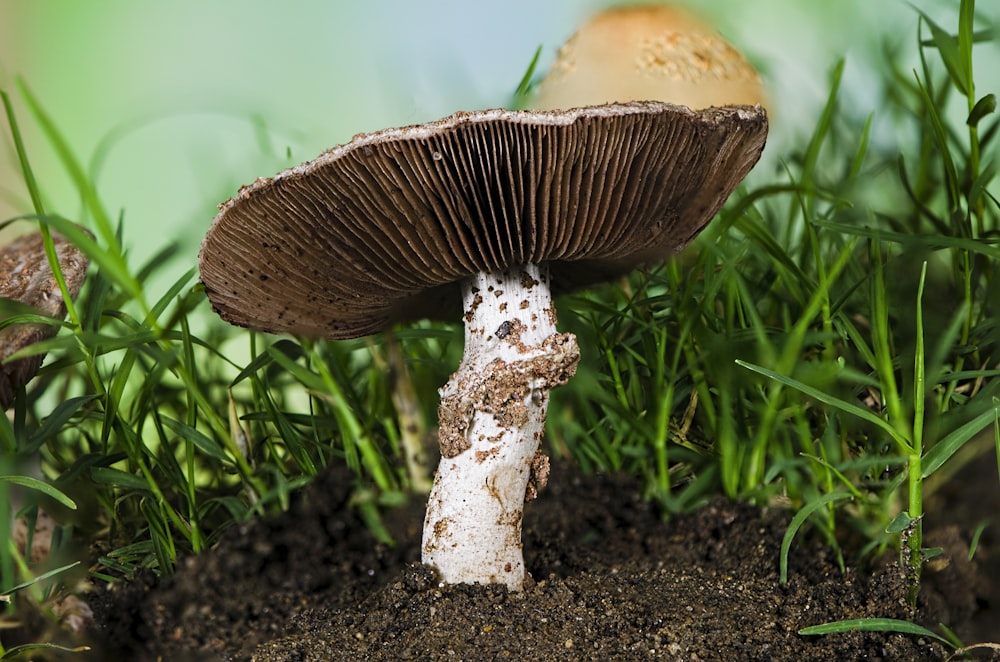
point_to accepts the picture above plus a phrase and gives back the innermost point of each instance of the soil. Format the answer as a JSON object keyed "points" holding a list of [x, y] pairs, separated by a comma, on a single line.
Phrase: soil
{"points": [[613, 581]]}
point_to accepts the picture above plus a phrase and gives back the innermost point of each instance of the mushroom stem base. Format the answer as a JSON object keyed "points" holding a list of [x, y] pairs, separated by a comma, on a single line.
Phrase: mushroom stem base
{"points": [[492, 418]]}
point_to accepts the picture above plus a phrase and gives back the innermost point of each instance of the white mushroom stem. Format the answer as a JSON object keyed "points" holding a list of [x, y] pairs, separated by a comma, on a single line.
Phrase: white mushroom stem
{"points": [[492, 418]]}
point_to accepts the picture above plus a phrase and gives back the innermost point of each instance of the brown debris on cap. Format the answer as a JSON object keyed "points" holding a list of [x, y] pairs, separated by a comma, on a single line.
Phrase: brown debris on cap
{"points": [[25, 276], [648, 52], [384, 228]]}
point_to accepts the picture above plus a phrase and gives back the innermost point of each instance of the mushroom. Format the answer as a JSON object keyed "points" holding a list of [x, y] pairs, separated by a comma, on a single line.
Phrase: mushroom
{"points": [[495, 209], [26, 277], [643, 52]]}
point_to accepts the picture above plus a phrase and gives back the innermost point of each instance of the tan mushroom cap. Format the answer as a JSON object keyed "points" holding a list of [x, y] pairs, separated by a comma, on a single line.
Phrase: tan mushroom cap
{"points": [[25, 276], [384, 228], [648, 52]]}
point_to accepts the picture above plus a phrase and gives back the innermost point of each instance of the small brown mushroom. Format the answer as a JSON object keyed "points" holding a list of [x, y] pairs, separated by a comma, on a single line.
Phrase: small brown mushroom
{"points": [[648, 52], [485, 208], [26, 277]]}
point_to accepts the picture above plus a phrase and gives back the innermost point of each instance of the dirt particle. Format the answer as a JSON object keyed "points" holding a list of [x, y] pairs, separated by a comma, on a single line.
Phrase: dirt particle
{"points": [[539, 477], [482, 456], [454, 418], [470, 315], [503, 330], [441, 526]]}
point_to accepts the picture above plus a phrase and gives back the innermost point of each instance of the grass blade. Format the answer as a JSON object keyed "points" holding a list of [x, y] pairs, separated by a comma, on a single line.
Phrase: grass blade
{"points": [[953, 441], [873, 625], [828, 399], [796, 524]]}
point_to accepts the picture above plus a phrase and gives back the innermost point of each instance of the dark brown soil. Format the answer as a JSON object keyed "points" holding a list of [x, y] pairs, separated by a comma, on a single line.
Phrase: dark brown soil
{"points": [[613, 582]]}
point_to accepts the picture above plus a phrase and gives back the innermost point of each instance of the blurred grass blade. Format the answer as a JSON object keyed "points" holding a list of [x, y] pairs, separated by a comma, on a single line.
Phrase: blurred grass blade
{"points": [[159, 534], [109, 258], [170, 294], [862, 151], [42, 577], [288, 362], [55, 421], [110, 261], [26, 171], [985, 106], [119, 479], [17, 651], [524, 87], [40, 486], [823, 126], [986, 247], [948, 47], [996, 436], [72, 166], [263, 360], [8, 440], [199, 440], [940, 134]]}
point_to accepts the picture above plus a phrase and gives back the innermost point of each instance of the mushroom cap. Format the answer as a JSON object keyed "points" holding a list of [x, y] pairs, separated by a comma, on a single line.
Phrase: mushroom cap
{"points": [[385, 228], [648, 52], [25, 276]]}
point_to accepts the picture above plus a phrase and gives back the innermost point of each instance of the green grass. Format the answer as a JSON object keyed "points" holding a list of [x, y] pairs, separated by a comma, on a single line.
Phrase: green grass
{"points": [[828, 343]]}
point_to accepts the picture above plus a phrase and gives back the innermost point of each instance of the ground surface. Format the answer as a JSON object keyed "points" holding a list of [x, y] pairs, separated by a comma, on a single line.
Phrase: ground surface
{"points": [[613, 582]]}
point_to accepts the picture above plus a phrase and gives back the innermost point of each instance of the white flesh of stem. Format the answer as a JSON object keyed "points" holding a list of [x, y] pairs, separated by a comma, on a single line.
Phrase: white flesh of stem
{"points": [[492, 418]]}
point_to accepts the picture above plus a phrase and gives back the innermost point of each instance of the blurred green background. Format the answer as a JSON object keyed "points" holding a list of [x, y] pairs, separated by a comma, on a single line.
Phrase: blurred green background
{"points": [[175, 104]]}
